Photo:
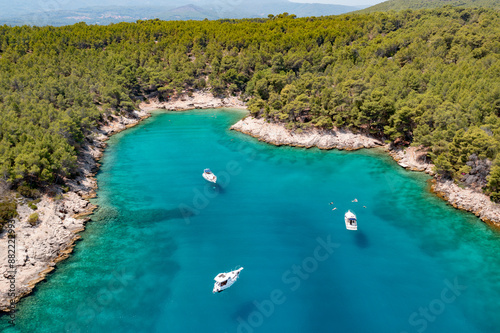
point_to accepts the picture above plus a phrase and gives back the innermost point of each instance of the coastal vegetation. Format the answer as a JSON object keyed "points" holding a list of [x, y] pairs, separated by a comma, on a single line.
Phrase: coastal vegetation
{"points": [[33, 219], [7, 212], [427, 77]]}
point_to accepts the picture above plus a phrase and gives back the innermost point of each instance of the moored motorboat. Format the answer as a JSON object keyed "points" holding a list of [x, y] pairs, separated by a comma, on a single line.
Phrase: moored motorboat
{"points": [[209, 175], [351, 223], [225, 280]]}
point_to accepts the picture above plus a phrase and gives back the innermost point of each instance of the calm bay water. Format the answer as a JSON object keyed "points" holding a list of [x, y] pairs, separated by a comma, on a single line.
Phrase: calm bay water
{"points": [[161, 234]]}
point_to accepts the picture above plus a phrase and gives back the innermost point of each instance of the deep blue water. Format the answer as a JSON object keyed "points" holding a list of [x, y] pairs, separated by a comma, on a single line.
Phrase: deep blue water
{"points": [[147, 261]]}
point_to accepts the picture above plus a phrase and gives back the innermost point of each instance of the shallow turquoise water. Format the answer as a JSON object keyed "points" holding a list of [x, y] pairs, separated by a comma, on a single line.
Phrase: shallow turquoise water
{"points": [[147, 261]]}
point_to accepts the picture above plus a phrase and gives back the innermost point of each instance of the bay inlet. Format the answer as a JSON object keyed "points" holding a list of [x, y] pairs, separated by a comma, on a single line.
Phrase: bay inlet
{"points": [[147, 260]]}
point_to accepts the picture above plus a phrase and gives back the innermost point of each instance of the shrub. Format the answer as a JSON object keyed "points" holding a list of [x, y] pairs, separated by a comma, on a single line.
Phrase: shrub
{"points": [[28, 191], [7, 212], [495, 196], [33, 219]]}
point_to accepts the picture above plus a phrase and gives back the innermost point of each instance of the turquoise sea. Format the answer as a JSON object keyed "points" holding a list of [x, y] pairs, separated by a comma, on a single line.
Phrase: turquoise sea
{"points": [[147, 260]]}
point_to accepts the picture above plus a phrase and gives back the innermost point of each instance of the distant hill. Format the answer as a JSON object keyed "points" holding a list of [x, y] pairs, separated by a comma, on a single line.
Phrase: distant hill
{"points": [[188, 12], [165, 10], [398, 5]]}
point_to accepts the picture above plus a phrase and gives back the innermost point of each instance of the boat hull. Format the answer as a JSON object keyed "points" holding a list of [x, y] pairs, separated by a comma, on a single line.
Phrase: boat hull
{"points": [[351, 222], [210, 177], [225, 280]]}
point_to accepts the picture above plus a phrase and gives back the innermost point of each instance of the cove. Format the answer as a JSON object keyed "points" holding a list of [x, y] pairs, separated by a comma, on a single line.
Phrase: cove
{"points": [[147, 260]]}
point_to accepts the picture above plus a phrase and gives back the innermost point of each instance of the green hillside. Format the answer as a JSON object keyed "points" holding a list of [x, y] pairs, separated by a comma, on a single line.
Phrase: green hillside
{"points": [[426, 78], [398, 5]]}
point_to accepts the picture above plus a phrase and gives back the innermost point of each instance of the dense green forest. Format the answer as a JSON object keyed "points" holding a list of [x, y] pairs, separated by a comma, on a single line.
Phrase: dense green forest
{"points": [[428, 77], [398, 5]]}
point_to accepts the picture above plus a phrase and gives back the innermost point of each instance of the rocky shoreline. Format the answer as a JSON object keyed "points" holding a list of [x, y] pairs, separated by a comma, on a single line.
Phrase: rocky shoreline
{"points": [[278, 135], [412, 158], [197, 100], [61, 216]]}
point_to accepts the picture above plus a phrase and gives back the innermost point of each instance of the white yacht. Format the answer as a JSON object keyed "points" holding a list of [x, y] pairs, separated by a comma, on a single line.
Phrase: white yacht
{"points": [[225, 280], [350, 221], [208, 175]]}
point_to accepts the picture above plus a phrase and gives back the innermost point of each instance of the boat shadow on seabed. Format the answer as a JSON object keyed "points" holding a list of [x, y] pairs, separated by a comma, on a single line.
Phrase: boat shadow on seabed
{"points": [[214, 188], [361, 240]]}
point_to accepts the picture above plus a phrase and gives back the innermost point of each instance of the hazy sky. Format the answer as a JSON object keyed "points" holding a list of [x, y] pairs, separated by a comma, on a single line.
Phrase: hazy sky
{"points": [[71, 4], [9, 8]]}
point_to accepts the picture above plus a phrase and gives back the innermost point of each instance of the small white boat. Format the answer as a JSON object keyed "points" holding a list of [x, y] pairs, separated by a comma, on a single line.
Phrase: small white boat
{"points": [[225, 280], [351, 223], [209, 175]]}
